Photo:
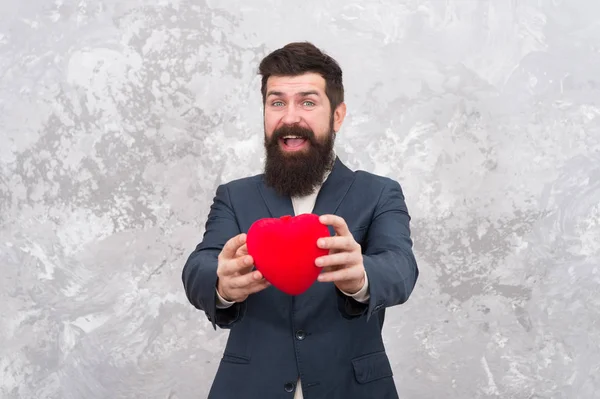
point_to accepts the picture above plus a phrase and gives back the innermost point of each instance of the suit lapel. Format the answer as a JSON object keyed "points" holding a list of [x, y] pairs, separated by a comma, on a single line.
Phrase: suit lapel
{"points": [[334, 190], [278, 205]]}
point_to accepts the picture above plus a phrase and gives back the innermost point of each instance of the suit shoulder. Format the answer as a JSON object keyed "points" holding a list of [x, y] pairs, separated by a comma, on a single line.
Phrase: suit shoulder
{"points": [[374, 180], [378, 185], [384, 188]]}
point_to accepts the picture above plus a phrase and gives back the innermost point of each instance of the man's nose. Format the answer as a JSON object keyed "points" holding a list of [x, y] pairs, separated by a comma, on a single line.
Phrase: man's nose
{"points": [[291, 115]]}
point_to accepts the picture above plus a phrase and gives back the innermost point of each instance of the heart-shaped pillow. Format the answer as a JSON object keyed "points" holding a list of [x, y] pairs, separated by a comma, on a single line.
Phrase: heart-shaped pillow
{"points": [[285, 249]]}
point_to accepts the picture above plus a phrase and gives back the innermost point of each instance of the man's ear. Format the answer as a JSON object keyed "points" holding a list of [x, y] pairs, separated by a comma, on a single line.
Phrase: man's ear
{"points": [[338, 117]]}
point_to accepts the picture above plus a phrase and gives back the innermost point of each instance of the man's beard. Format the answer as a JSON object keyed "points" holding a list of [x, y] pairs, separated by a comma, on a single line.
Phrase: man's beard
{"points": [[297, 174]]}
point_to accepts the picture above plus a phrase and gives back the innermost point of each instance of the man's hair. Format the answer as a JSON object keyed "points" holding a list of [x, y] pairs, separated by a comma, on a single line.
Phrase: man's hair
{"points": [[302, 57]]}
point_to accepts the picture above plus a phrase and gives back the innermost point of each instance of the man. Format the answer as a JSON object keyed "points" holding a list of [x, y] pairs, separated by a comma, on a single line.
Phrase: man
{"points": [[326, 342]]}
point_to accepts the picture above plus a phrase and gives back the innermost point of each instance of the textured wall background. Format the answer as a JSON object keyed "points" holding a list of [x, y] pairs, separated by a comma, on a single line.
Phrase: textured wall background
{"points": [[119, 118]]}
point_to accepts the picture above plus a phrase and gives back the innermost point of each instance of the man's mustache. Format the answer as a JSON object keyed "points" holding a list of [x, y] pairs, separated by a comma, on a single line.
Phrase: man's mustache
{"points": [[293, 130]]}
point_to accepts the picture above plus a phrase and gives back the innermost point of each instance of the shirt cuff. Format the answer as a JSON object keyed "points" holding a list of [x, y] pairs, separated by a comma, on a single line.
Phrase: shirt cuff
{"points": [[222, 303], [363, 294]]}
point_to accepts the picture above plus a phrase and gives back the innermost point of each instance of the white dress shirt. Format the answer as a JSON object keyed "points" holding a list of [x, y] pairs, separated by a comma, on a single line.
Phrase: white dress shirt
{"points": [[305, 205]]}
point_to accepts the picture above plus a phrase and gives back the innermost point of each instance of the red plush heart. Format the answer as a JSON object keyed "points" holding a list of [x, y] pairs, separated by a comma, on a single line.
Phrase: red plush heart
{"points": [[285, 249]]}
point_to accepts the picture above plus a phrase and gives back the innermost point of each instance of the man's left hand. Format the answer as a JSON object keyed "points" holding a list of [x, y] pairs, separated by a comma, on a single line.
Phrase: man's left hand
{"points": [[344, 264]]}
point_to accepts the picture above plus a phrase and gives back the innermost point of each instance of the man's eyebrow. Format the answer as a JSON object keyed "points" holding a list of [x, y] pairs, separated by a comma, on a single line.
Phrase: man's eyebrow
{"points": [[302, 93], [308, 93]]}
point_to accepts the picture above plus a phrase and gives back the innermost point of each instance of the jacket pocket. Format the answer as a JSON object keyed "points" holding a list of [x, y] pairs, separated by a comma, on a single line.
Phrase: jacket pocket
{"points": [[239, 344], [372, 367], [237, 359]]}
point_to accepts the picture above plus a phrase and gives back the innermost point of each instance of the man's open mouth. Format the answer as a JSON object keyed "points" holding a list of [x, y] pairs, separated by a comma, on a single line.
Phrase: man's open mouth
{"points": [[293, 142]]}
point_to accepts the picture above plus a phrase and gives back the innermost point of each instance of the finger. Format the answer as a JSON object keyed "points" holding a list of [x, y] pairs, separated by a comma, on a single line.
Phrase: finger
{"points": [[256, 287], [241, 251], [245, 280], [337, 259], [346, 274], [343, 243], [232, 245], [338, 224], [242, 264]]}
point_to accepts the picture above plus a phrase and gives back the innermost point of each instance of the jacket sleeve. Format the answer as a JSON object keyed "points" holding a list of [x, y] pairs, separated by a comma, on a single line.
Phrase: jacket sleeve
{"points": [[387, 256], [200, 270]]}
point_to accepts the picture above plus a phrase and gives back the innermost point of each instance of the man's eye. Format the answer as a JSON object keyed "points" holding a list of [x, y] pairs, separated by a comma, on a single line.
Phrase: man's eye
{"points": [[308, 103], [277, 103]]}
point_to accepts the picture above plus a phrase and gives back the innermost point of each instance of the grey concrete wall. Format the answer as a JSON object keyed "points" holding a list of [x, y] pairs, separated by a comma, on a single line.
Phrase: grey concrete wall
{"points": [[119, 118]]}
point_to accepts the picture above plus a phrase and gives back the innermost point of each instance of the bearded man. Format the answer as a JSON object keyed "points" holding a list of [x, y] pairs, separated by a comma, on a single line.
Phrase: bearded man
{"points": [[326, 342]]}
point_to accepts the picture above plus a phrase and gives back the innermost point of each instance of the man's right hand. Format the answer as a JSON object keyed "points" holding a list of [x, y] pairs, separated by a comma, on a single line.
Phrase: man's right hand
{"points": [[234, 270]]}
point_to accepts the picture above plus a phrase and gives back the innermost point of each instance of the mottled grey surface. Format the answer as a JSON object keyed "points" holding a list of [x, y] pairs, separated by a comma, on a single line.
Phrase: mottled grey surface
{"points": [[119, 118]]}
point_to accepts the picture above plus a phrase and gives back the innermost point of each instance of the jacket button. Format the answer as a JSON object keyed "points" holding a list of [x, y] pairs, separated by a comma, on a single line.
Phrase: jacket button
{"points": [[300, 335], [289, 386]]}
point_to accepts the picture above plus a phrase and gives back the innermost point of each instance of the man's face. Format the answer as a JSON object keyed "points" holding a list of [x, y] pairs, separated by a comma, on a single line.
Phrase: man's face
{"points": [[299, 132]]}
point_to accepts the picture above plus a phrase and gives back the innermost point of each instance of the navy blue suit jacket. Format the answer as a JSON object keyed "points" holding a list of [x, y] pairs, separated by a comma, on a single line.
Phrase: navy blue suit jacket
{"points": [[331, 341]]}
